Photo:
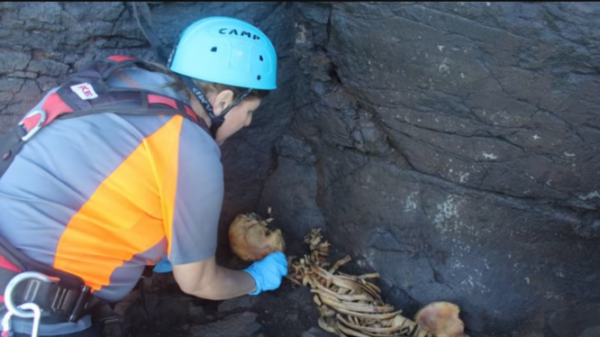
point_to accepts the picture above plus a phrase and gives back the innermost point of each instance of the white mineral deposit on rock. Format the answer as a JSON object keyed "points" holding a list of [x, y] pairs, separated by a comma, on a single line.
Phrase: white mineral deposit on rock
{"points": [[590, 195]]}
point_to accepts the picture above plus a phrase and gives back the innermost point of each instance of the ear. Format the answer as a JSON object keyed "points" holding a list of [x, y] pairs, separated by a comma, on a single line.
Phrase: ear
{"points": [[222, 101]]}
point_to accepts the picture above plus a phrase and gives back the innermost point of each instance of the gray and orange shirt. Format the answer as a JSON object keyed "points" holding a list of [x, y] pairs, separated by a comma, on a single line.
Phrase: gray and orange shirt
{"points": [[102, 196]]}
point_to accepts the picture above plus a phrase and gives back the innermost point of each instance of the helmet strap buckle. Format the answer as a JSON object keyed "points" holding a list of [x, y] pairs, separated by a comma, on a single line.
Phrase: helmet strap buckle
{"points": [[216, 121]]}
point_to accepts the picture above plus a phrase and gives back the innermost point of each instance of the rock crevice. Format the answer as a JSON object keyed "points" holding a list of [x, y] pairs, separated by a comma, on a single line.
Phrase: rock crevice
{"points": [[449, 146]]}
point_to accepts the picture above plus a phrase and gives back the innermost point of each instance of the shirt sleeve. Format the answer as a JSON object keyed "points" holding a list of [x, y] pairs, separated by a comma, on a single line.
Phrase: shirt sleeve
{"points": [[198, 198]]}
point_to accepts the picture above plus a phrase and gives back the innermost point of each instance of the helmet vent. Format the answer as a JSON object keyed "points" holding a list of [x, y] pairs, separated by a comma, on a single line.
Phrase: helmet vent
{"points": [[258, 77], [261, 58], [213, 49]]}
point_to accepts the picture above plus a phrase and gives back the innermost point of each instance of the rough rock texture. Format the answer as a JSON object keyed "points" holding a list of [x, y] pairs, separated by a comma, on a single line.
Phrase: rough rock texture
{"points": [[238, 325], [452, 147], [161, 309]]}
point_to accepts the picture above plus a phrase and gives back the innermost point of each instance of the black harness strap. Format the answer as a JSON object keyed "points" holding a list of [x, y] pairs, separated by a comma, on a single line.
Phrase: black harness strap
{"points": [[65, 295], [66, 103]]}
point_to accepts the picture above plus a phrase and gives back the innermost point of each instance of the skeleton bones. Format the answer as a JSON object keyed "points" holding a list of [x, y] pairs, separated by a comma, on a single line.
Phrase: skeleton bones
{"points": [[352, 306], [349, 305]]}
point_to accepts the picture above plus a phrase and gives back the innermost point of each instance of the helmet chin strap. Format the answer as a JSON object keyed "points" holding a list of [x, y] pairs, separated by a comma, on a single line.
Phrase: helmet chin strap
{"points": [[216, 121]]}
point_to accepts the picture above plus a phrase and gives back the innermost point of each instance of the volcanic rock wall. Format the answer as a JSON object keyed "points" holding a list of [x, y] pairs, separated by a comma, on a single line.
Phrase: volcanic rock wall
{"points": [[452, 147]]}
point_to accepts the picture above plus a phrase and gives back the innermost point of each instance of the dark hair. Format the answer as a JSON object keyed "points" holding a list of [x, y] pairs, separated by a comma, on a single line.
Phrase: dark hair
{"points": [[206, 87], [236, 90]]}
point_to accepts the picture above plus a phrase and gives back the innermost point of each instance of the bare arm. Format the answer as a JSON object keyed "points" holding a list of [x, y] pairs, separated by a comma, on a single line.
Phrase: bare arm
{"points": [[206, 279]]}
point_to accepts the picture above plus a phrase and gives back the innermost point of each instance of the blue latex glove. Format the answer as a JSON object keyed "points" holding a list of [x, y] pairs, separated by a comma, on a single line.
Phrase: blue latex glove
{"points": [[163, 266], [267, 273]]}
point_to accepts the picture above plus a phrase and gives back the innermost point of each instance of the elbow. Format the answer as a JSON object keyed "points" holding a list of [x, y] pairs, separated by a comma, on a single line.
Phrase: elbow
{"points": [[196, 290], [197, 279], [186, 284], [188, 289]]}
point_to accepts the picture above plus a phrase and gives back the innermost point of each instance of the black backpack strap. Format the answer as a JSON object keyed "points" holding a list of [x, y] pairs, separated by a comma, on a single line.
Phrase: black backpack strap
{"points": [[126, 101], [66, 103], [10, 145]]}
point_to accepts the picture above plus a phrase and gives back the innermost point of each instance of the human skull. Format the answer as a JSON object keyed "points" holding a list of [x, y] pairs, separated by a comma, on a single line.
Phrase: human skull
{"points": [[252, 240]]}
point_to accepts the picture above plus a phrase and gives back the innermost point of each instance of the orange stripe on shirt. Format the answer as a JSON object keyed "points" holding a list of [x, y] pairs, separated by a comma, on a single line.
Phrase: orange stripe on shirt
{"points": [[124, 216], [166, 163]]}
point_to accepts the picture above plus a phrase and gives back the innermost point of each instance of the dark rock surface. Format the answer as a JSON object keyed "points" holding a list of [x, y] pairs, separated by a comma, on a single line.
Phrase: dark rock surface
{"points": [[452, 147], [456, 152], [159, 308], [237, 325]]}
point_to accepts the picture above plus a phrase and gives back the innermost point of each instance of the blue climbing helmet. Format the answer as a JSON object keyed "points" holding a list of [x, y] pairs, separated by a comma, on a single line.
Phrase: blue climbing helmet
{"points": [[227, 51]]}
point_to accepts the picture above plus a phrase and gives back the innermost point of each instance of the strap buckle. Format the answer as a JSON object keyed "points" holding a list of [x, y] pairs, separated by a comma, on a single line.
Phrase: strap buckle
{"points": [[38, 125], [14, 282], [80, 304], [62, 303]]}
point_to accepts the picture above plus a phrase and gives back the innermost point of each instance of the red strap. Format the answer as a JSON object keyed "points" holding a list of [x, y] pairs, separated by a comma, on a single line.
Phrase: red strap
{"points": [[153, 99], [31, 121], [54, 107], [162, 100], [120, 58], [5, 264], [191, 113]]}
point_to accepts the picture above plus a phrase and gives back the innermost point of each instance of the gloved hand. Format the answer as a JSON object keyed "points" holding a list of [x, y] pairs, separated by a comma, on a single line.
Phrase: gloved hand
{"points": [[267, 273], [163, 266]]}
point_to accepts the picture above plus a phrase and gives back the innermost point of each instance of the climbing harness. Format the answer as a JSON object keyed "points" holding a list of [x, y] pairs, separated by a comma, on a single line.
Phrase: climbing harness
{"points": [[30, 287]]}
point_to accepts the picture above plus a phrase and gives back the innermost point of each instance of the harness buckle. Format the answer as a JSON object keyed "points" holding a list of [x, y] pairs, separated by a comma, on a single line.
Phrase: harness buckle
{"points": [[38, 125], [80, 304], [12, 285], [59, 304]]}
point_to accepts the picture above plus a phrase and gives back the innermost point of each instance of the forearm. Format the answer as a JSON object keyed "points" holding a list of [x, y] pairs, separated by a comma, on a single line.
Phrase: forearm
{"points": [[206, 279], [225, 284]]}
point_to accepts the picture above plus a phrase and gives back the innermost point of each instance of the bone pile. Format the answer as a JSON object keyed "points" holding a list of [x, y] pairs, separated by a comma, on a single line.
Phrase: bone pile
{"points": [[352, 306]]}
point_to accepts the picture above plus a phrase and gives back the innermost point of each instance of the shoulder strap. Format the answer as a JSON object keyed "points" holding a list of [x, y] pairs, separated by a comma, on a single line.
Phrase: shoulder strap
{"points": [[86, 93]]}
